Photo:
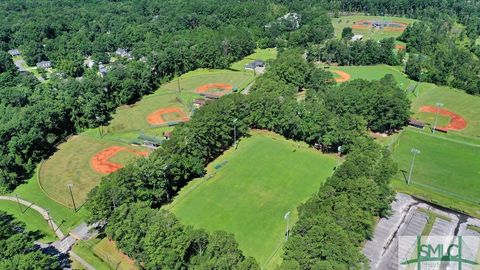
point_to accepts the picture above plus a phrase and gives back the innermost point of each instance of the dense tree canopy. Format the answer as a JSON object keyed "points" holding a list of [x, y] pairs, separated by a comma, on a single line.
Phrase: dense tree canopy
{"points": [[18, 248]]}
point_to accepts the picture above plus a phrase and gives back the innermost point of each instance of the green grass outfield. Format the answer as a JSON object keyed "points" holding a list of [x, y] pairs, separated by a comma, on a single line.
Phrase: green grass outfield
{"points": [[190, 81], [375, 72], [454, 100], [347, 21], [32, 219], [71, 164], [263, 179], [447, 171]]}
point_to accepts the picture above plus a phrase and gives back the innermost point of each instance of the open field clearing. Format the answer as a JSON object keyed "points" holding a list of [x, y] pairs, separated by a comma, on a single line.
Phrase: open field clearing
{"points": [[251, 190]]}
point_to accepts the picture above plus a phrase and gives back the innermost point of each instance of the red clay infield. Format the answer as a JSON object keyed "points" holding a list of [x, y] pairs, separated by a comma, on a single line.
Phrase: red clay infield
{"points": [[344, 76], [366, 24], [100, 162], [158, 116], [456, 121], [227, 88]]}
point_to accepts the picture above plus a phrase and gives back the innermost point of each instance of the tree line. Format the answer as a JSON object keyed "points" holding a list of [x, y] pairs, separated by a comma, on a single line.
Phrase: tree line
{"points": [[334, 223], [165, 39], [440, 54], [328, 117], [345, 52], [18, 249]]}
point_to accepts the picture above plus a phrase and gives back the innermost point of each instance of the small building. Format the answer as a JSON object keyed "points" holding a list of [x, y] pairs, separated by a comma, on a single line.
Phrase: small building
{"points": [[14, 52], [102, 69], [89, 62], [167, 135], [210, 96], [197, 103], [123, 53], [416, 123], [357, 37], [44, 64], [255, 64]]}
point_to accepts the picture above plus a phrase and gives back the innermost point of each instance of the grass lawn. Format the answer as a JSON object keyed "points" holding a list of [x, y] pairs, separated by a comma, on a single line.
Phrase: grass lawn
{"points": [[454, 100], [103, 254], [374, 73], [376, 34], [248, 196], [71, 164], [259, 54], [447, 171], [190, 81], [107, 251], [134, 117], [63, 216], [32, 219]]}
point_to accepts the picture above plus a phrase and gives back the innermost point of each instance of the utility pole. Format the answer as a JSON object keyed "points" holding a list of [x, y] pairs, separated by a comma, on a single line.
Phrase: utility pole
{"points": [[438, 105], [19, 204], [235, 132], [415, 152], [99, 125], [287, 231], [71, 196], [49, 219]]}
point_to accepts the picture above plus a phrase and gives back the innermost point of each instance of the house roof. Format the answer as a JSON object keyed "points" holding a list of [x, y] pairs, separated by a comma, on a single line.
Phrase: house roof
{"points": [[44, 64], [14, 52], [255, 64], [357, 37]]}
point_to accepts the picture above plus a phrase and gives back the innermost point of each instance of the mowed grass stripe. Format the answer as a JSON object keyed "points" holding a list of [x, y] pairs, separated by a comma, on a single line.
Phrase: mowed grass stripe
{"points": [[263, 179], [445, 167]]}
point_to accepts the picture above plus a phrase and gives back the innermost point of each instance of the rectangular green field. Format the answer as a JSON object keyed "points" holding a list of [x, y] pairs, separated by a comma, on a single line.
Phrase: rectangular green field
{"points": [[249, 195], [375, 34], [447, 171]]}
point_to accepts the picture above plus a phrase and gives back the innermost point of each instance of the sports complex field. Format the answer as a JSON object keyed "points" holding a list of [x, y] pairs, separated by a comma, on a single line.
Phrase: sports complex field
{"points": [[447, 171], [72, 163], [362, 25], [250, 193]]}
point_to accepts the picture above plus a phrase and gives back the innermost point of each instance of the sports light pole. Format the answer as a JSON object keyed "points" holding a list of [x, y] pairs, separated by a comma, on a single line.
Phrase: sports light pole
{"points": [[415, 152], [71, 196], [235, 132], [438, 105], [287, 218]]}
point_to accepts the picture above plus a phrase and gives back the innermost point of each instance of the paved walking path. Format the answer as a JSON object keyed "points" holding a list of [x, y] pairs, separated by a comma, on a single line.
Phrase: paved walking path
{"points": [[65, 243], [40, 210]]}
